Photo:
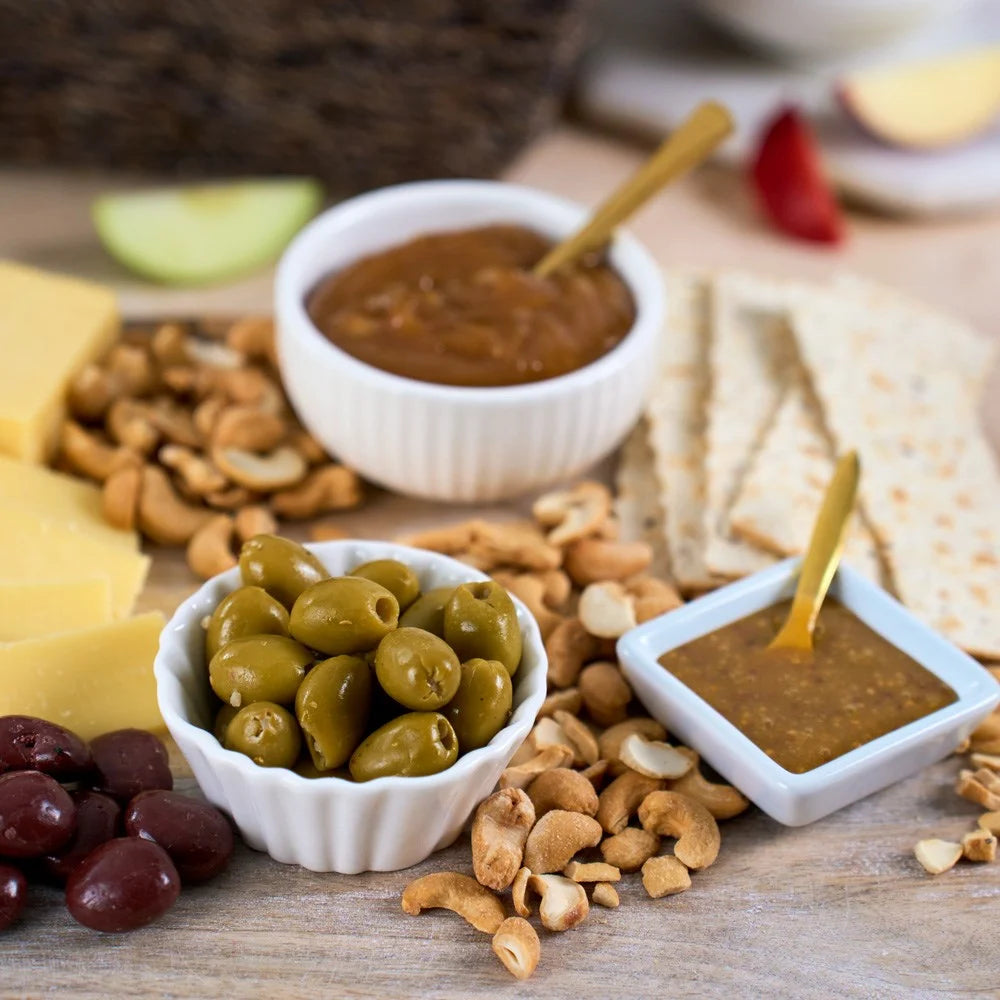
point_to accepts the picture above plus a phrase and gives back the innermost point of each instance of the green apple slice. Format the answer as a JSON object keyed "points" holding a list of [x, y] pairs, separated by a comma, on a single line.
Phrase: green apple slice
{"points": [[204, 234]]}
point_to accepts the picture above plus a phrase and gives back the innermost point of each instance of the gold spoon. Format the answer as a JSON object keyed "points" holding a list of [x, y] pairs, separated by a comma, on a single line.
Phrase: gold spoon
{"points": [[821, 558], [690, 143]]}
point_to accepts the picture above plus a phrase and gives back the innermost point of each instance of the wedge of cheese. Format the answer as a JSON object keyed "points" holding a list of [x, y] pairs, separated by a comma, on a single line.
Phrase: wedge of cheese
{"points": [[50, 327], [31, 610], [59, 498], [91, 681], [35, 549]]}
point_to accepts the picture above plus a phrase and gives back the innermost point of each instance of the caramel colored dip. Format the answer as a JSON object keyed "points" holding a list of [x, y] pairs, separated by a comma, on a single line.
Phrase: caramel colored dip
{"points": [[801, 710], [462, 308]]}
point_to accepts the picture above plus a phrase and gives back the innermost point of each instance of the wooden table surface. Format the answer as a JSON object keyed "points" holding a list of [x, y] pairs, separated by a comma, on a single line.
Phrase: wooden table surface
{"points": [[836, 909]]}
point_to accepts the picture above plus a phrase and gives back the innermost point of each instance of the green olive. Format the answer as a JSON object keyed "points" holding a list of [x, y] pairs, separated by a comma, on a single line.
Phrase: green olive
{"points": [[267, 733], [307, 769], [222, 719], [395, 576], [480, 621], [427, 611], [415, 744], [332, 707], [259, 668], [246, 611], [417, 669], [282, 567], [481, 706], [347, 614]]}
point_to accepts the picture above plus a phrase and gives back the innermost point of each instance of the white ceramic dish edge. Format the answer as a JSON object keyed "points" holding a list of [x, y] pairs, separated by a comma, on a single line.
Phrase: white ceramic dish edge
{"points": [[331, 824], [798, 799], [445, 442]]}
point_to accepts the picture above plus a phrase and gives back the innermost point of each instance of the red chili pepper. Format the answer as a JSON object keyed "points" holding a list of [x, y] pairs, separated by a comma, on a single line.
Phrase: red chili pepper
{"points": [[789, 179]]}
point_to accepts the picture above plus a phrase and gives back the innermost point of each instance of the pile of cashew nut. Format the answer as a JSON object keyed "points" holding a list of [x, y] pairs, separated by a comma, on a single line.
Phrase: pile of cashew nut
{"points": [[194, 442], [596, 790]]}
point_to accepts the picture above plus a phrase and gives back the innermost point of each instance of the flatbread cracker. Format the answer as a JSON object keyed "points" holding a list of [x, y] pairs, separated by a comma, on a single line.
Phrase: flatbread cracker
{"points": [[637, 503], [783, 489], [899, 386], [676, 429]]}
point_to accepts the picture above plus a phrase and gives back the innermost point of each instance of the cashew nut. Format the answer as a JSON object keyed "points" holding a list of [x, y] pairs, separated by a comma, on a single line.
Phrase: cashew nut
{"points": [[605, 894], [251, 386], [564, 902], [606, 610], [596, 773], [254, 520], [516, 945], [990, 821], [327, 531], [548, 733], [330, 487], [581, 739], [519, 892], [558, 587], [231, 497], [169, 345], [592, 871], [654, 758], [512, 544], [567, 700], [590, 560], [573, 514], [163, 516], [562, 788], [979, 845], [630, 849], [520, 775], [605, 692], [664, 876], [988, 760], [652, 597], [120, 497], [722, 801], [130, 369], [449, 541], [568, 648], [206, 413], [308, 447], [88, 455], [211, 354], [195, 472], [276, 470], [458, 893], [981, 787], [91, 392], [499, 830], [937, 856], [128, 423], [672, 814], [531, 590], [986, 736], [617, 803], [557, 837], [248, 429], [174, 423], [253, 337], [610, 741], [210, 550]]}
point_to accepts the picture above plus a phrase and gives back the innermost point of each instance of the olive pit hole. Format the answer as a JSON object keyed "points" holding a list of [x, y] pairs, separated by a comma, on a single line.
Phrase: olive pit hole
{"points": [[445, 735], [384, 609]]}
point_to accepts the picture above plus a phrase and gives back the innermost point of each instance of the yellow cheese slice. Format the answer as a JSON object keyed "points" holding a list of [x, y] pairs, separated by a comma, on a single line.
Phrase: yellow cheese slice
{"points": [[34, 549], [91, 681], [60, 498], [31, 610], [50, 327]]}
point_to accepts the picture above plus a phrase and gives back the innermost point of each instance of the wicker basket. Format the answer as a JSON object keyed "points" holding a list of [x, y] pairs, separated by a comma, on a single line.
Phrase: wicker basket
{"points": [[358, 93]]}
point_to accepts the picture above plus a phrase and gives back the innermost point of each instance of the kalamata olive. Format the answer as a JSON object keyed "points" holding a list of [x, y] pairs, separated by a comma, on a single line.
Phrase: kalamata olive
{"points": [[123, 884], [13, 895], [37, 815], [196, 835], [129, 761], [29, 744], [97, 821]]}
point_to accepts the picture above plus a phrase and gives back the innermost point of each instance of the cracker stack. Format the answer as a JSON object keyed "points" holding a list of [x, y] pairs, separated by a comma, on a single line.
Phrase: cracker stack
{"points": [[762, 383]]}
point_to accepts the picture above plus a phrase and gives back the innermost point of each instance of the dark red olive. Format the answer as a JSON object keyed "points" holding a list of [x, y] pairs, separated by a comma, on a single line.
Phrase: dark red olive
{"points": [[37, 815], [97, 820], [13, 895], [29, 744], [123, 884], [129, 761], [196, 835]]}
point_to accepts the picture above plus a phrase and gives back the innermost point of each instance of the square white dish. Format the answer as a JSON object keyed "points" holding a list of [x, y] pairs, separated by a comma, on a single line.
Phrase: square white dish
{"points": [[798, 799]]}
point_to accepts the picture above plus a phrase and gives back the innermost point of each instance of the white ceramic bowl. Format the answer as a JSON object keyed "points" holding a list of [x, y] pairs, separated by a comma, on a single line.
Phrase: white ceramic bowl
{"points": [[446, 442], [332, 824], [797, 799]]}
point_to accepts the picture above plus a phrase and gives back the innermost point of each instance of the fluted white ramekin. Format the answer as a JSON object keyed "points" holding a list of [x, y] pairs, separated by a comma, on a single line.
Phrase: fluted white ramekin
{"points": [[449, 442], [332, 824]]}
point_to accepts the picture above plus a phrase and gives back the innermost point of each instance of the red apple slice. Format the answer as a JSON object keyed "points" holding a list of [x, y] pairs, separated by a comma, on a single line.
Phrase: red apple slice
{"points": [[789, 179], [927, 105]]}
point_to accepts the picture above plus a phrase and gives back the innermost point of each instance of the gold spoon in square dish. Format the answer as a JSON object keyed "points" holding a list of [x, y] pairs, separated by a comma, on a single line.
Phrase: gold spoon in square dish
{"points": [[820, 561], [687, 146]]}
